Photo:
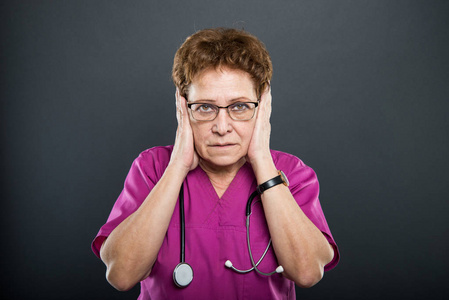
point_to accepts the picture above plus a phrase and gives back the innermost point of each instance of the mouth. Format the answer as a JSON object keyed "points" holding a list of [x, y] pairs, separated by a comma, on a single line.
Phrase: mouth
{"points": [[222, 146]]}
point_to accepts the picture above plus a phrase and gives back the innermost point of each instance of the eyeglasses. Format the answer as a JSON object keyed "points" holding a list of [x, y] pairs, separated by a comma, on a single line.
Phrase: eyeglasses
{"points": [[239, 111]]}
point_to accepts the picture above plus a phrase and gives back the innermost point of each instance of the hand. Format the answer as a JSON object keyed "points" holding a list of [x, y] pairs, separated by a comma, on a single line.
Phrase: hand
{"points": [[259, 147], [184, 153]]}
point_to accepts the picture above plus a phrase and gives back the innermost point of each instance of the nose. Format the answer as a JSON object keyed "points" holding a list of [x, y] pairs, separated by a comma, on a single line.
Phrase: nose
{"points": [[222, 123]]}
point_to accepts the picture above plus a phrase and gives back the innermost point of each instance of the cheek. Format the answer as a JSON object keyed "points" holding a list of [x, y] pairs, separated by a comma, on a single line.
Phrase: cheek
{"points": [[246, 133], [199, 135]]}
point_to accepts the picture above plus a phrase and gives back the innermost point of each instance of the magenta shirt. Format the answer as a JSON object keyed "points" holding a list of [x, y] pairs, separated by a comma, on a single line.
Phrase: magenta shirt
{"points": [[215, 230]]}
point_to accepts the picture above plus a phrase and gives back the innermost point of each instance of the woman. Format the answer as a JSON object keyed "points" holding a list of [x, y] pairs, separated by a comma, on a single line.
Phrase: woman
{"points": [[221, 156]]}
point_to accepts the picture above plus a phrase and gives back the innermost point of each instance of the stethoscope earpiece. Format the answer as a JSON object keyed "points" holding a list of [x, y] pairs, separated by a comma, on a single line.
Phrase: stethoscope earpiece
{"points": [[279, 269], [228, 264]]}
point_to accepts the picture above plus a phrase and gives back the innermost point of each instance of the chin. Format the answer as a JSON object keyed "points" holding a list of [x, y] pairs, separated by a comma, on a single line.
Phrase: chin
{"points": [[224, 161]]}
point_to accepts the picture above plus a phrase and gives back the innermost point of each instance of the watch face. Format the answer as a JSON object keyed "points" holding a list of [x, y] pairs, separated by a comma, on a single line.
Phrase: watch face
{"points": [[284, 178]]}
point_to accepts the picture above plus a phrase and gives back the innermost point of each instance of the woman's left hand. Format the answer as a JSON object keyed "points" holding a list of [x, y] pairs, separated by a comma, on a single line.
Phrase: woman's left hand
{"points": [[259, 147]]}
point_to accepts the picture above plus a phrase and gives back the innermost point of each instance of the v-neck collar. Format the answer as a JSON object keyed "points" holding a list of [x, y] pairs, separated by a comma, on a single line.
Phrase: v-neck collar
{"points": [[244, 176]]}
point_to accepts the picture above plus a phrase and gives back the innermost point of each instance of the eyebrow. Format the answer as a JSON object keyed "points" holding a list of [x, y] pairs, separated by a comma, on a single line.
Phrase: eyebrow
{"points": [[234, 100]]}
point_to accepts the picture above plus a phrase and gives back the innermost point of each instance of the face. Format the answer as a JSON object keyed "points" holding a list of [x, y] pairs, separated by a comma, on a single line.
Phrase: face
{"points": [[223, 142]]}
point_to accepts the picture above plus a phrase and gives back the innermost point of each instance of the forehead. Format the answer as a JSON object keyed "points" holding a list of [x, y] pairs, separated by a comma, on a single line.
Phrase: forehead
{"points": [[222, 84]]}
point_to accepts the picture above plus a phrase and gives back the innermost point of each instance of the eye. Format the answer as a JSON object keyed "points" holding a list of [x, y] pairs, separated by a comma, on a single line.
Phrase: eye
{"points": [[240, 106], [204, 108]]}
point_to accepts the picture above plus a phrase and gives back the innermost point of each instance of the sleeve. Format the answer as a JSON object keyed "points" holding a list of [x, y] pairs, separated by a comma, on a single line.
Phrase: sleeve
{"points": [[305, 189], [143, 175]]}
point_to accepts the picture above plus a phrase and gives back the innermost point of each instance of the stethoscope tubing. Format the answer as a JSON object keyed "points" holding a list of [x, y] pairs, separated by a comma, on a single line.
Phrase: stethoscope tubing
{"points": [[251, 253], [183, 223], [183, 273]]}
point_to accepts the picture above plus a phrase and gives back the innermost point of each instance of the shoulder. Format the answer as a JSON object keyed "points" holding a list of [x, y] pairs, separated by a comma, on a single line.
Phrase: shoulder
{"points": [[286, 159], [159, 153], [293, 167], [154, 161]]}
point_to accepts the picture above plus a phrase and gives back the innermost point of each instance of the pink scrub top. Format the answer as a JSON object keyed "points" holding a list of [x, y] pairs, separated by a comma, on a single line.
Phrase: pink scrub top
{"points": [[215, 230]]}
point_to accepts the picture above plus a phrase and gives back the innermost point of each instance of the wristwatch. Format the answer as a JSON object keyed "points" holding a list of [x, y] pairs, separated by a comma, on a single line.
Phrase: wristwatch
{"points": [[281, 178]]}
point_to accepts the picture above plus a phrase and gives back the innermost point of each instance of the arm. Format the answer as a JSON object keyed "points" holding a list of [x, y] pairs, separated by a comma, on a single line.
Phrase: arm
{"points": [[132, 247], [300, 246]]}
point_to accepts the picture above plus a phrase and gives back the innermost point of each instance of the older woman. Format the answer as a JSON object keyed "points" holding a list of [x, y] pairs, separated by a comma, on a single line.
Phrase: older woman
{"points": [[194, 219]]}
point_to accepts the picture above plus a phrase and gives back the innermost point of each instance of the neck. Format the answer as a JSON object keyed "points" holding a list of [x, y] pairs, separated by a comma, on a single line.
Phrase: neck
{"points": [[221, 177]]}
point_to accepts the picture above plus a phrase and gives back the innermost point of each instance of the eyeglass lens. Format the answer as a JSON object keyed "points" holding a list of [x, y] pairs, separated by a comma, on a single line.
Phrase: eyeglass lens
{"points": [[240, 111]]}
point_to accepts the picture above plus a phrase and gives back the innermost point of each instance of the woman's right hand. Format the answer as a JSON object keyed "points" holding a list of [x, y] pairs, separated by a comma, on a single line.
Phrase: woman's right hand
{"points": [[184, 155]]}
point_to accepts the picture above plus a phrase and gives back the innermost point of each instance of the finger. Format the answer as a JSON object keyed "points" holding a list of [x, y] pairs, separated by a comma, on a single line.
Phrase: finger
{"points": [[183, 105], [178, 97], [267, 93], [178, 106], [182, 110], [265, 103]]}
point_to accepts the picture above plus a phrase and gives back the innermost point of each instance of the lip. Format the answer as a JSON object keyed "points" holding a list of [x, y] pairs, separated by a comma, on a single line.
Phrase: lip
{"points": [[222, 146]]}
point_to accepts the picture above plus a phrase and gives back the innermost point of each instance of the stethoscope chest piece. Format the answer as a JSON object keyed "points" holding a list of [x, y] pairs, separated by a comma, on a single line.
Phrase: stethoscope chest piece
{"points": [[183, 274]]}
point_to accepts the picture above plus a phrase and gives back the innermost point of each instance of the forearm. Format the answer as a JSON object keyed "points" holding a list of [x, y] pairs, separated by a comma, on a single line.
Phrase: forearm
{"points": [[132, 248], [299, 245]]}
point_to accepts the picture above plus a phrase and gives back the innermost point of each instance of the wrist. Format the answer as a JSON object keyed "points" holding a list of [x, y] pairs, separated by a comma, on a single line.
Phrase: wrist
{"points": [[259, 157], [177, 169], [264, 170], [281, 178]]}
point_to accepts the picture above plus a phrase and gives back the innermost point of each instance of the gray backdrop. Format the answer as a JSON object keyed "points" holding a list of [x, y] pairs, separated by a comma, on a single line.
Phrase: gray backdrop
{"points": [[360, 93]]}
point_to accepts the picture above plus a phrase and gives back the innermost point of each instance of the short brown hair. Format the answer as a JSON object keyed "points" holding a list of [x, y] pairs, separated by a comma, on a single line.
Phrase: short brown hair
{"points": [[222, 47]]}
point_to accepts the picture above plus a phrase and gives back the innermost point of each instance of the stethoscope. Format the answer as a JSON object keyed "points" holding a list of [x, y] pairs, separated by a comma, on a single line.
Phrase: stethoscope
{"points": [[183, 273]]}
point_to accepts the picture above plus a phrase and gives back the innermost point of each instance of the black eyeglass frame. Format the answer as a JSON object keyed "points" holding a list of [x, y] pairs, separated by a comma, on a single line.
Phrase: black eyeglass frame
{"points": [[256, 103]]}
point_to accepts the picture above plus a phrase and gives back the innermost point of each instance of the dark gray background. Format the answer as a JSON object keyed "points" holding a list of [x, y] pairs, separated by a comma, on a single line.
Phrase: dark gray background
{"points": [[360, 93]]}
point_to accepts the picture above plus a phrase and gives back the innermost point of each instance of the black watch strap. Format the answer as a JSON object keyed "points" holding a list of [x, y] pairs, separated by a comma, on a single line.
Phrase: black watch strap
{"points": [[281, 178], [269, 184]]}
